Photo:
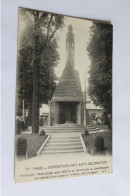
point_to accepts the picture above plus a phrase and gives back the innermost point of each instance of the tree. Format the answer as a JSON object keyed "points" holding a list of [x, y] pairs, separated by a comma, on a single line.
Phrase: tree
{"points": [[100, 74], [25, 72], [41, 43]]}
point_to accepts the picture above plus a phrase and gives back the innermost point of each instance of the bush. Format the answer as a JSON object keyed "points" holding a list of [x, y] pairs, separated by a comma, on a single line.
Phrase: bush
{"points": [[28, 120], [88, 117], [86, 133], [42, 133], [21, 146], [25, 126], [98, 123], [22, 125], [18, 126], [99, 143], [41, 122]]}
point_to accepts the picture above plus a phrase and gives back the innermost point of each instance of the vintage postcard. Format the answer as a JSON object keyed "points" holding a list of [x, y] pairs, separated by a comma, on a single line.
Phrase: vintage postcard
{"points": [[63, 97]]}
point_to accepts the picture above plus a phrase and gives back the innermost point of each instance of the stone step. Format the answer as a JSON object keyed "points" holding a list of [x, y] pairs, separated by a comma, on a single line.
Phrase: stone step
{"points": [[63, 144], [63, 127], [63, 148], [62, 151], [66, 138], [63, 138], [60, 143], [91, 128], [64, 130], [64, 141], [66, 125], [90, 125], [67, 143]]}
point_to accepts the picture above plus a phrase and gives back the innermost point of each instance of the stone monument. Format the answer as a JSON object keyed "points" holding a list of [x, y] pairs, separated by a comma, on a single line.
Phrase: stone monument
{"points": [[67, 103]]}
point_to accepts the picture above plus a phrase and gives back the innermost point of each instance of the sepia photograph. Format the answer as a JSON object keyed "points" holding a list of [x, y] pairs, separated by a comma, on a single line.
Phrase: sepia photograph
{"points": [[63, 122]]}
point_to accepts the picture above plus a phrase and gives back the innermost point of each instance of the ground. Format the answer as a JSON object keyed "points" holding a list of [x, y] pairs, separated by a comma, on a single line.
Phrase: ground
{"points": [[34, 142], [90, 141]]}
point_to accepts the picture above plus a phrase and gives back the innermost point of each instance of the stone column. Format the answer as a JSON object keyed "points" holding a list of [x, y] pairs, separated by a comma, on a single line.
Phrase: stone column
{"points": [[79, 113], [56, 113]]}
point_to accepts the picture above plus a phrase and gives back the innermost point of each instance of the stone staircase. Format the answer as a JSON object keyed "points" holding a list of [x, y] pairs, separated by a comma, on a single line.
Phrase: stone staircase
{"points": [[91, 128], [64, 128], [61, 143]]}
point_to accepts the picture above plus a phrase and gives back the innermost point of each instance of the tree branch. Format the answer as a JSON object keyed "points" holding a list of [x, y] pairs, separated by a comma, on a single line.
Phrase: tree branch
{"points": [[43, 16], [53, 34], [48, 27], [50, 38]]}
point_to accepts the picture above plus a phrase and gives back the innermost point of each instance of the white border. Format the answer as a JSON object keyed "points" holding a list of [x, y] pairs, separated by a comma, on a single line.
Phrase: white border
{"points": [[116, 184]]}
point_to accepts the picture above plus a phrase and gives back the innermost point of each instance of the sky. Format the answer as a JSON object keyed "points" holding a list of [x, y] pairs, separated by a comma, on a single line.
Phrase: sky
{"points": [[81, 32]]}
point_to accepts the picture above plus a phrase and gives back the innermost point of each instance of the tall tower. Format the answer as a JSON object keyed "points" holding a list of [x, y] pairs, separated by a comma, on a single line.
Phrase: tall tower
{"points": [[70, 47], [67, 103]]}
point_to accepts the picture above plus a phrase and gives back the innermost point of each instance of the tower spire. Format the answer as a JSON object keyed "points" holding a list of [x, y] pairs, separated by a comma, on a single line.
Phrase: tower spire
{"points": [[70, 47]]}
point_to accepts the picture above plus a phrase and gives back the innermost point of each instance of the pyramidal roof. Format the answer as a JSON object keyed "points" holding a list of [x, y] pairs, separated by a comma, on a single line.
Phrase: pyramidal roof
{"points": [[69, 87]]}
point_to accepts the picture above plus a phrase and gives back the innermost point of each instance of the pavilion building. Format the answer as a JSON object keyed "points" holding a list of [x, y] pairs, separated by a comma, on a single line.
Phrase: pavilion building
{"points": [[67, 106]]}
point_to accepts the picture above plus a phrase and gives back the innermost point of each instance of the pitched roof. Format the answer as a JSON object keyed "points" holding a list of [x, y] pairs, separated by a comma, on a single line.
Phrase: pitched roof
{"points": [[69, 87]]}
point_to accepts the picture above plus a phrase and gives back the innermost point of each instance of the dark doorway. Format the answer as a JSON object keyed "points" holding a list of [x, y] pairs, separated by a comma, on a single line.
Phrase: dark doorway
{"points": [[67, 112]]}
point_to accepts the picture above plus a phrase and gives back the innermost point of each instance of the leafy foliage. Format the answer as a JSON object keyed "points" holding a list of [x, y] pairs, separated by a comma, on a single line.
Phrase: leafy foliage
{"points": [[99, 143], [86, 133], [18, 126], [41, 121], [21, 146], [42, 133], [100, 53], [37, 57], [49, 58], [28, 120]]}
